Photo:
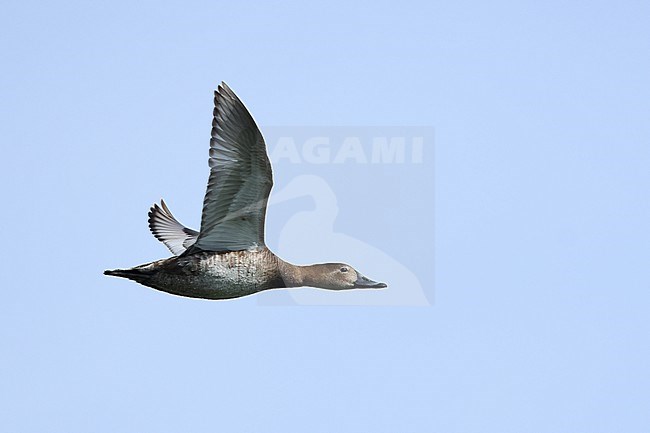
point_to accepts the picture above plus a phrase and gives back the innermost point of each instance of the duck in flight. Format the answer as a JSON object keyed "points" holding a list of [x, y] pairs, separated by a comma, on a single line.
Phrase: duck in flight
{"points": [[228, 258]]}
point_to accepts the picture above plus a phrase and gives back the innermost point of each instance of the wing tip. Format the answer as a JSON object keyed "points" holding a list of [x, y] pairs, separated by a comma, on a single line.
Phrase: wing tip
{"points": [[224, 91], [159, 214]]}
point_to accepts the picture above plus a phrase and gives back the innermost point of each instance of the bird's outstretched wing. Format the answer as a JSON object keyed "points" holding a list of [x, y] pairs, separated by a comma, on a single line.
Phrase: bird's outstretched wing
{"points": [[169, 231], [240, 180]]}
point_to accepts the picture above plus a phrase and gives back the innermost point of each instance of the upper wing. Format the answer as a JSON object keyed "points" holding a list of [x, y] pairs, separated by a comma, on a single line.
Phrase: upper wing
{"points": [[240, 180], [169, 231]]}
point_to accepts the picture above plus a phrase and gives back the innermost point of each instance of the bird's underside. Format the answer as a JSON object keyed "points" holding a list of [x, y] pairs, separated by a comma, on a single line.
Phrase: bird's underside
{"points": [[210, 275]]}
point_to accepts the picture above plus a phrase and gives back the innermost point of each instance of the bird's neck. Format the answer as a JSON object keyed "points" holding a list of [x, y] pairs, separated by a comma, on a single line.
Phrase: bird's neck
{"points": [[299, 276], [292, 275]]}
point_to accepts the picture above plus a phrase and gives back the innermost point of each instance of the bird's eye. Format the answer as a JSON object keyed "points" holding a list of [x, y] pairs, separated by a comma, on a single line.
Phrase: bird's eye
{"points": [[344, 269]]}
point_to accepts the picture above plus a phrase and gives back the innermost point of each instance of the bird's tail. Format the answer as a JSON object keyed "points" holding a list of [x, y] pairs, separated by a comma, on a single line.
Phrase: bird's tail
{"points": [[136, 274]]}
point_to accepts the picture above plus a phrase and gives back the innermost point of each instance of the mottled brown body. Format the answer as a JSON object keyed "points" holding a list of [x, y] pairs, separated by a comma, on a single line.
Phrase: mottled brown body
{"points": [[212, 275]]}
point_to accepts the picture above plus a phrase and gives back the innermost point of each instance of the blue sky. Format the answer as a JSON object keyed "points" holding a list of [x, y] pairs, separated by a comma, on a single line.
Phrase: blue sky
{"points": [[524, 225]]}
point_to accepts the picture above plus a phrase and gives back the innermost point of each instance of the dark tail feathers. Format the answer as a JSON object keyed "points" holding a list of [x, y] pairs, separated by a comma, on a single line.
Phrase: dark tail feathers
{"points": [[135, 274]]}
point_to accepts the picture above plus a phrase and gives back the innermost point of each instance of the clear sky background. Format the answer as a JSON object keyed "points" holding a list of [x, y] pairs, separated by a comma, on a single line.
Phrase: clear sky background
{"points": [[533, 255]]}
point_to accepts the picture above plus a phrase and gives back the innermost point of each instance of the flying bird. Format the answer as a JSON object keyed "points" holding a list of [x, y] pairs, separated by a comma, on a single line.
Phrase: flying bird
{"points": [[227, 258]]}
